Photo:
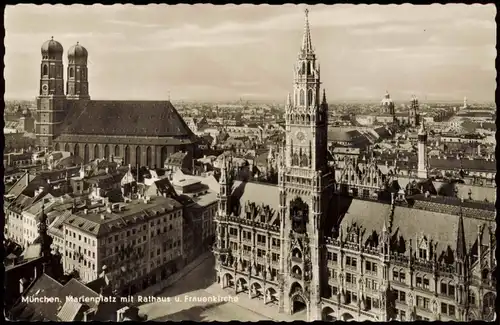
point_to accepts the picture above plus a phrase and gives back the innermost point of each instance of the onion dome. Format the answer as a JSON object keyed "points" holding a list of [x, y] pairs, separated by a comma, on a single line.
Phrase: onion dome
{"points": [[52, 48], [77, 52], [387, 99]]}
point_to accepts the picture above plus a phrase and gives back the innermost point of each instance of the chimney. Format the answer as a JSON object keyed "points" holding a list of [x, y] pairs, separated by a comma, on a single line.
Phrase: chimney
{"points": [[85, 211], [27, 178], [103, 217]]}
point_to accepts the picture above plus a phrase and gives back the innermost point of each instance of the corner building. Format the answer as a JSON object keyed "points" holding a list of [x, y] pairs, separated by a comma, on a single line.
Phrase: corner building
{"points": [[304, 247], [142, 133]]}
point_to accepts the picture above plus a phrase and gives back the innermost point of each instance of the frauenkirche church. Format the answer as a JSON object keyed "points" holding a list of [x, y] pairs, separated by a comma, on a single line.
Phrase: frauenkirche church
{"points": [[141, 133]]}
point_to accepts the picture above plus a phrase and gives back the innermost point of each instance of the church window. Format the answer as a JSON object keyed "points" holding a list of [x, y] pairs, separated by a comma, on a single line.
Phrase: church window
{"points": [[309, 65], [106, 151], [148, 156], [45, 70], [86, 153], [138, 155], [96, 151], [71, 72], [302, 95], [309, 97]]}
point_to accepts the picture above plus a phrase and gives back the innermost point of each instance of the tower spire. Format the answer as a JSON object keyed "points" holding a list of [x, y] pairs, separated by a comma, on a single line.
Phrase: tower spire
{"points": [[461, 247], [306, 39]]}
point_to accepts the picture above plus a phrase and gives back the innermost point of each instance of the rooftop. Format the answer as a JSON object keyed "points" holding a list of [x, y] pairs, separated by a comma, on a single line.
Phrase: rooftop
{"points": [[103, 222]]}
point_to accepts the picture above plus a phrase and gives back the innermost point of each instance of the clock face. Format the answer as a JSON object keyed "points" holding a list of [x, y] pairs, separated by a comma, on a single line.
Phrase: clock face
{"points": [[45, 87], [300, 136]]}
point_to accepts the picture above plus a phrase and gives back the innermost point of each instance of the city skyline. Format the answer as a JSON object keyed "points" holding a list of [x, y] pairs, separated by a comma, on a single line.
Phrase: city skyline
{"points": [[438, 52]]}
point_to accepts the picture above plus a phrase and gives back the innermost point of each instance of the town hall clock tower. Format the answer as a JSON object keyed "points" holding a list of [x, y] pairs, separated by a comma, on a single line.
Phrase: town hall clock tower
{"points": [[306, 185]]}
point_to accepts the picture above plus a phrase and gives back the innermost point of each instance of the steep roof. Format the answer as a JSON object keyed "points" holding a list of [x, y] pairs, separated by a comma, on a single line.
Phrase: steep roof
{"points": [[124, 118], [465, 164], [408, 223]]}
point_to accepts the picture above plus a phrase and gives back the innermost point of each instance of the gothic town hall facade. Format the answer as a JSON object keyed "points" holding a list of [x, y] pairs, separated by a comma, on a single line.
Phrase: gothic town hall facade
{"points": [[307, 248]]}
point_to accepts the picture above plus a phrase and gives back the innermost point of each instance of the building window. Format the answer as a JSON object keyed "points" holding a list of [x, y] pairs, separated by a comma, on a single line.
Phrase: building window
{"points": [[426, 283], [422, 253], [350, 261], [419, 281], [371, 267], [350, 278], [395, 275], [472, 298], [368, 303]]}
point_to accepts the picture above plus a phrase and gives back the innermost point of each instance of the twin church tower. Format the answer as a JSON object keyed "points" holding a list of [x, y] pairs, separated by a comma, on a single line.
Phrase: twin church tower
{"points": [[52, 101]]}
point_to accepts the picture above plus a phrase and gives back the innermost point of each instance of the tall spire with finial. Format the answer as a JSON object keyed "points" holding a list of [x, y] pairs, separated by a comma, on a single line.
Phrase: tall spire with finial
{"points": [[461, 246], [306, 40], [289, 100], [324, 96]]}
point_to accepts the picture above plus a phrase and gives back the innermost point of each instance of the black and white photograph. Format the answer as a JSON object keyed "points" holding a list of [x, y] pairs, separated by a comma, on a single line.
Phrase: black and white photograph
{"points": [[249, 162]]}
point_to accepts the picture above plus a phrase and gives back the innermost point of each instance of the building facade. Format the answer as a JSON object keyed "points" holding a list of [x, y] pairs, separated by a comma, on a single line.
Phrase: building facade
{"points": [[136, 244], [142, 133], [384, 255]]}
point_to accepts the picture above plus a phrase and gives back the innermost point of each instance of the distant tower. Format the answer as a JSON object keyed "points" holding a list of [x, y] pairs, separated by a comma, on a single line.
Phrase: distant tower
{"points": [[51, 99], [422, 171], [465, 103], [77, 85], [414, 117], [388, 106]]}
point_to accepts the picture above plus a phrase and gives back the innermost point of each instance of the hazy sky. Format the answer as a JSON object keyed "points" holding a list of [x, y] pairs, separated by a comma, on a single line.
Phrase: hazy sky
{"points": [[206, 52]]}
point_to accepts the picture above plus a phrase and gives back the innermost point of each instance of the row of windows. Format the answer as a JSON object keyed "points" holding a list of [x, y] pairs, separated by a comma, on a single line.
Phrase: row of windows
{"points": [[170, 245], [86, 239]]}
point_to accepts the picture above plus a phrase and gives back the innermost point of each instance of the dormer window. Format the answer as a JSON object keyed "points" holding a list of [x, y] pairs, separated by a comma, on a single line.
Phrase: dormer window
{"points": [[422, 253]]}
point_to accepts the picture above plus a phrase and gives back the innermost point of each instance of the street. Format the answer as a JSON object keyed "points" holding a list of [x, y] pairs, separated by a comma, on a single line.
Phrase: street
{"points": [[186, 300]]}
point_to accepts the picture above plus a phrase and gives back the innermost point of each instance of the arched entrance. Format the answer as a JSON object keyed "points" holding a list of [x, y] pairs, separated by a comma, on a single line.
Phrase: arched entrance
{"points": [[298, 304], [328, 314], [66, 147], [227, 281], [346, 317], [241, 285], [56, 147], [271, 296], [489, 306], [256, 290]]}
